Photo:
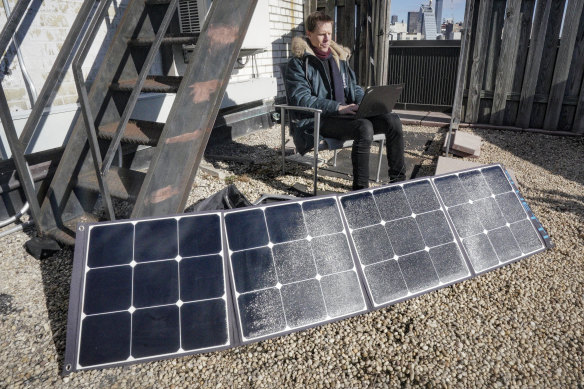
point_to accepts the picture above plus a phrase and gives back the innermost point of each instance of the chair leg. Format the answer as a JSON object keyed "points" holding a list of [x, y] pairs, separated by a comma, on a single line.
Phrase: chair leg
{"points": [[381, 143], [316, 133], [283, 125], [335, 158]]}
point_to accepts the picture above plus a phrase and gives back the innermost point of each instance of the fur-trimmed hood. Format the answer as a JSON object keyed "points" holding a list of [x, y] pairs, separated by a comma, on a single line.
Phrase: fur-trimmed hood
{"points": [[300, 47]]}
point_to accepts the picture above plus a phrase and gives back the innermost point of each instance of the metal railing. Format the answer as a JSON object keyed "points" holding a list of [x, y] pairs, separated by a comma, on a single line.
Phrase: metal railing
{"points": [[428, 69], [19, 145]]}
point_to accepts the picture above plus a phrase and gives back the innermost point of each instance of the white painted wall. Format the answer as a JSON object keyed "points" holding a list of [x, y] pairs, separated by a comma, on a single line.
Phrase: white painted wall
{"points": [[48, 25]]}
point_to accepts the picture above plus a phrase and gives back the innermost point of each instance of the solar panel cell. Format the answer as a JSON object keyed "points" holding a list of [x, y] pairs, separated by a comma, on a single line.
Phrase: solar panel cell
{"points": [[475, 184], [253, 269], [246, 229], [489, 214], [465, 220], [201, 278], [203, 324], [285, 223], [303, 303], [105, 339], [198, 235], [418, 271], [405, 236], [342, 293], [322, 217], [261, 313], [386, 282], [480, 252], [526, 236], [155, 331], [360, 210], [372, 244], [421, 196], [294, 261], [448, 262], [155, 283], [108, 290], [103, 238], [451, 190], [504, 244], [392, 203], [148, 248], [511, 207], [331, 254], [497, 180], [434, 228]]}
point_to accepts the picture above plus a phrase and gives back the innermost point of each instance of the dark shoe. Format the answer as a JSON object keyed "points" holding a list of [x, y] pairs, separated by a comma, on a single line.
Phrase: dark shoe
{"points": [[399, 178], [358, 187]]}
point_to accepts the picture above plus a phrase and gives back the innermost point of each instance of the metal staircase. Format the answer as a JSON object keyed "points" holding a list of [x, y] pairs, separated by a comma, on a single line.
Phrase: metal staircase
{"points": [[86, 171]]}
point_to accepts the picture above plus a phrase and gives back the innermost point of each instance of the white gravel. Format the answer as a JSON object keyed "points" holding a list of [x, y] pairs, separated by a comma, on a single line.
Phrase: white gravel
{"points": [[519, 326]]}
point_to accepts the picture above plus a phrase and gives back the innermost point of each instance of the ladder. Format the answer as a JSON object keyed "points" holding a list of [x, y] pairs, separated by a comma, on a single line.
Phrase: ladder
{"points": [[87, 170]]}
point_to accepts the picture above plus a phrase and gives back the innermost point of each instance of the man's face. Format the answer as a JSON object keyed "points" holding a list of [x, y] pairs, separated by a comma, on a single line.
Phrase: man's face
{"points": [[321, 36]]}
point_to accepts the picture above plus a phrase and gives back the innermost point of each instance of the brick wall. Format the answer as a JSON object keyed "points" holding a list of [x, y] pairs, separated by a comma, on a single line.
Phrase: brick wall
{"points": [[47, 25]]}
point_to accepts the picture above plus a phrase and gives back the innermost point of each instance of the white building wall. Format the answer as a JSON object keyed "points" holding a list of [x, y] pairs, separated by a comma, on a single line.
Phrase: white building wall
{"points": [[48, 25]]}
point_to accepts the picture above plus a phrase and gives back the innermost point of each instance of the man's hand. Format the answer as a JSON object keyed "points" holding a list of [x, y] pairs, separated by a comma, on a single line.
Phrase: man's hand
{"points": [[350, 109]]}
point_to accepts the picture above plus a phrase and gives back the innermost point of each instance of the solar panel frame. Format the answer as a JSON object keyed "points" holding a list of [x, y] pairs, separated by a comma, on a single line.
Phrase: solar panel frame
{"points": [[78, 284], [287, 330], [332, 229]]}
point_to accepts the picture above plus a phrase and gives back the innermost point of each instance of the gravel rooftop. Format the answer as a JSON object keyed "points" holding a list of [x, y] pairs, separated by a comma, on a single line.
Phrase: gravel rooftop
{"points": [[519, 326]]}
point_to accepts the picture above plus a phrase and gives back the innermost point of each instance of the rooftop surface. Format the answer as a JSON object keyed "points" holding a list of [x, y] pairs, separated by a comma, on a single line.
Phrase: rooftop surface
{"points": [[519, 326]]}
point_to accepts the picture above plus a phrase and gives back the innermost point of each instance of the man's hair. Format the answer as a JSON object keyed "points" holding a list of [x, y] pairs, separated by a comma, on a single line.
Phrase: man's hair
{"points": [[317, 17]]}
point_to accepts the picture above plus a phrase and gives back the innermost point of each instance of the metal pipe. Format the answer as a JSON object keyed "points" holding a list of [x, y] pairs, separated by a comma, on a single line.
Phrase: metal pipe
{"points": [[16, 228], [17, 216]]}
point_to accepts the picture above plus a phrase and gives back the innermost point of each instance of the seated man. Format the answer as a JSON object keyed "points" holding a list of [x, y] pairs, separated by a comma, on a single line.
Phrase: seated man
{"points": [[319, 76]]}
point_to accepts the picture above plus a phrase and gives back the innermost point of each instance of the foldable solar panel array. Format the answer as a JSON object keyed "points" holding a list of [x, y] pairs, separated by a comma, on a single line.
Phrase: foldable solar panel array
{"points": [[149, 289]]}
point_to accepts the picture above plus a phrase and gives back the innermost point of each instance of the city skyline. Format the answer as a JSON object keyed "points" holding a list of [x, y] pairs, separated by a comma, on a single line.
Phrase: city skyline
{"points": [[451, 9]]}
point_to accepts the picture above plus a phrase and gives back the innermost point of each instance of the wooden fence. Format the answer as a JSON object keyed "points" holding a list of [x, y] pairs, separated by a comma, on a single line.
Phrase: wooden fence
{"points": [[517, 71]]}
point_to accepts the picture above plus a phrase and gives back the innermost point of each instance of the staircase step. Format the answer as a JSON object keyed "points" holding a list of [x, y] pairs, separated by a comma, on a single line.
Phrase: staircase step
{"points": [[137, 132], [185, 39], [66, 234], [154, 84], [122, 183]]}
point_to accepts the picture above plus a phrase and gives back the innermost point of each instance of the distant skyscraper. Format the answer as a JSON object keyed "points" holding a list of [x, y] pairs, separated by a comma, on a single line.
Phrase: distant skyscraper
{"points": [[414, 22], [393, 19], [438, 12], [428, 22]]}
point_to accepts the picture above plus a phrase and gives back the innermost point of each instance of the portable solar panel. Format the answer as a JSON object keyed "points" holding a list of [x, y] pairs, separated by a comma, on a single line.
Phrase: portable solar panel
{"points": [[292, 269], [149, 289]]}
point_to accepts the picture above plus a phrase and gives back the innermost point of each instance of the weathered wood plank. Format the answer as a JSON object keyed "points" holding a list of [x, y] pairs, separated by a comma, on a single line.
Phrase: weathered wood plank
{"points": [[507, 61], [574, 82], [546, 69], [381, 31], [512, 108], [562, 68], [309, 7], [478, 61], [346, 26], [578, 125], [494, 50], [190, 121], [463, 61], [534, 56]]}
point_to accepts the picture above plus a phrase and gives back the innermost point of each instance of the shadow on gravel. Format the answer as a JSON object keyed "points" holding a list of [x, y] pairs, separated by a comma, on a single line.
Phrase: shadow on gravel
{"points": [[56, 274], [559, 155]]}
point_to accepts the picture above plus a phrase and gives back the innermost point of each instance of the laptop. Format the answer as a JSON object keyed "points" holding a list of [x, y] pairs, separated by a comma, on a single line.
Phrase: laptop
{"points": [[378, 100]]}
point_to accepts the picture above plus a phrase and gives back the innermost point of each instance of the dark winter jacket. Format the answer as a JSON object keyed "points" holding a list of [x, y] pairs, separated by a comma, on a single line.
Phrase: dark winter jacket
{"points": [[308, 85]]}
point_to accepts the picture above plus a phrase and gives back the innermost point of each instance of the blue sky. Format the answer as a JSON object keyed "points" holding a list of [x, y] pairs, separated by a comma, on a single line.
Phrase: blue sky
{"points": [[450, 9]]}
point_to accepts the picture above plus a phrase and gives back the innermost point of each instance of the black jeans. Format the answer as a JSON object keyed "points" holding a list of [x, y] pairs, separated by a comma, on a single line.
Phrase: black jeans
{"points": [[361, 132]]}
